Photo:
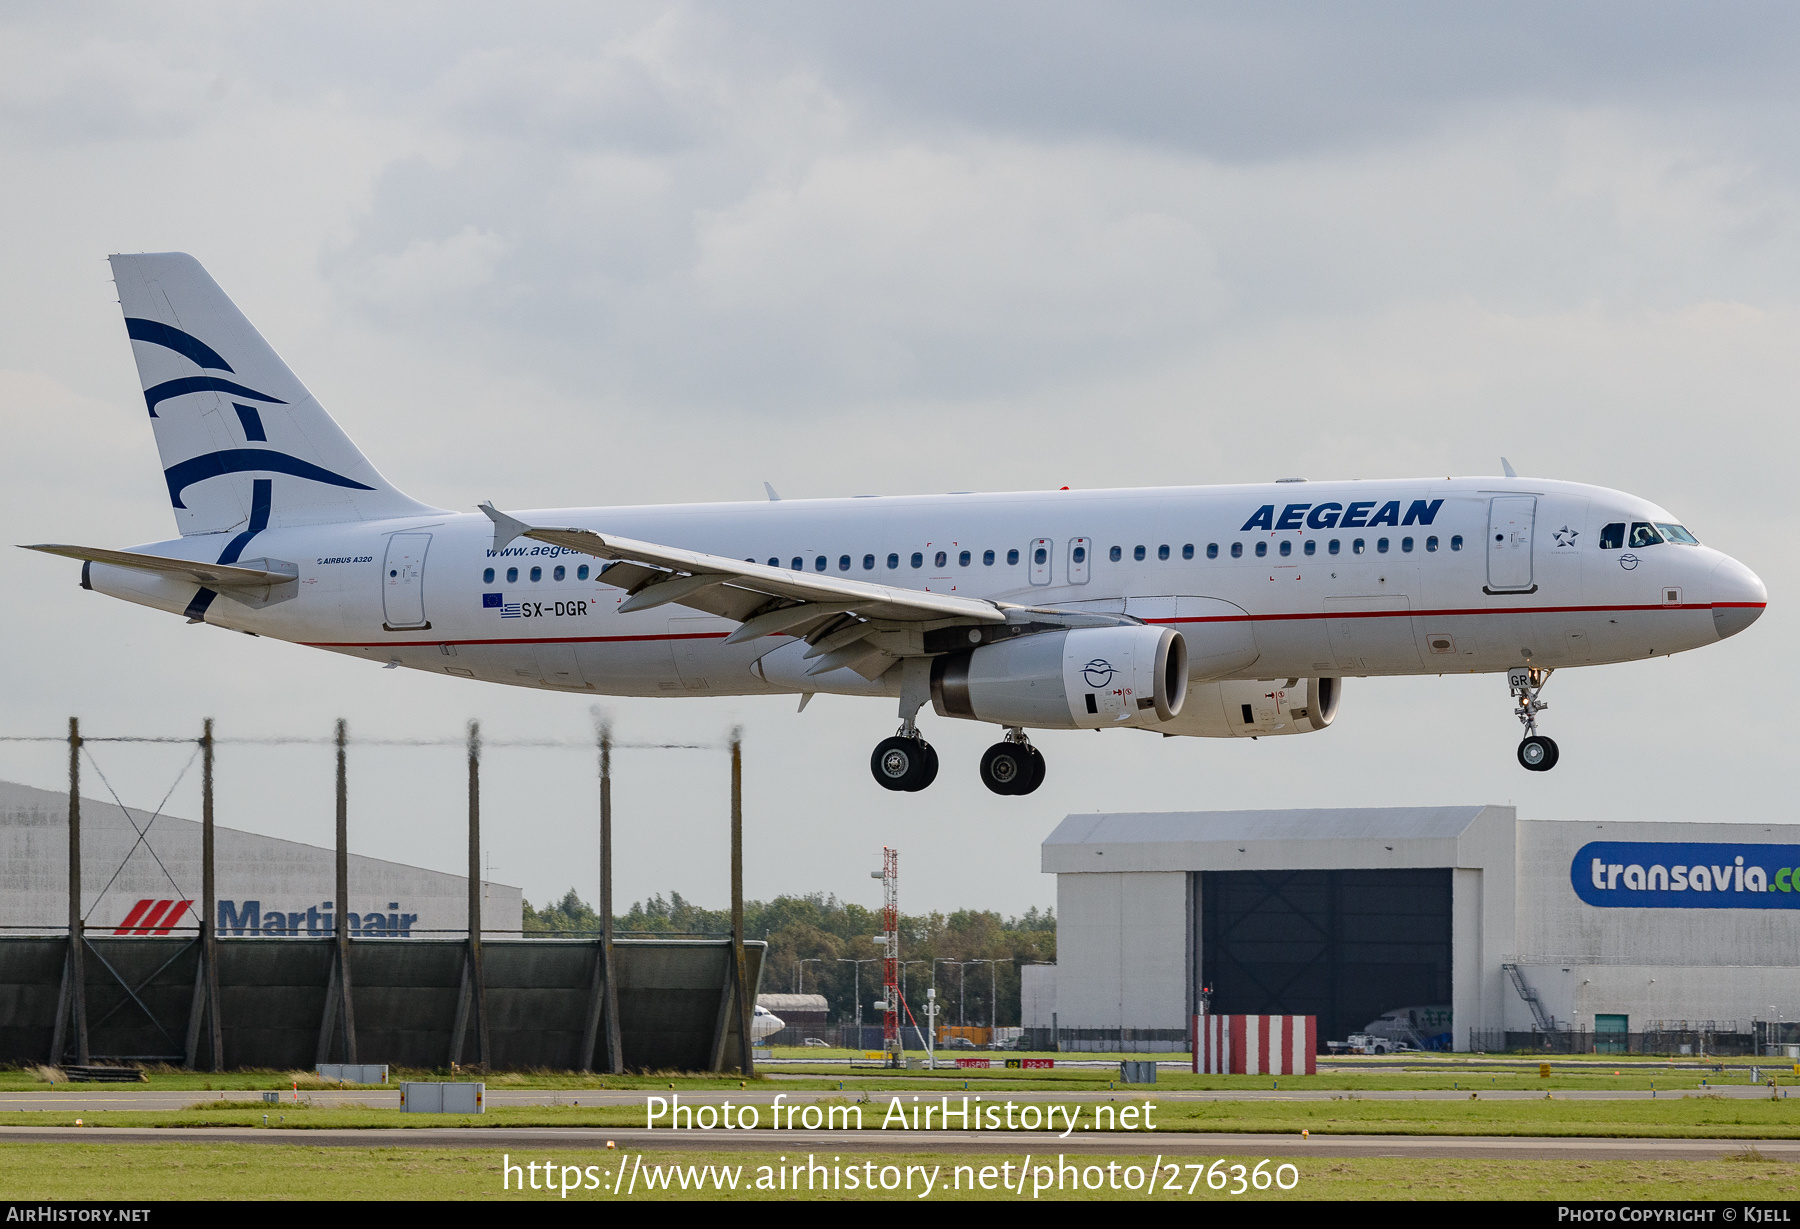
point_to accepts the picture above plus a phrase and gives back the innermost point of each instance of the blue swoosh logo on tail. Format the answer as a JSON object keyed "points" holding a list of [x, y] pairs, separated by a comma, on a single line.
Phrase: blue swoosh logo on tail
{"points": [[244, 460], [201, 384], [172, 338], [260, 502]]}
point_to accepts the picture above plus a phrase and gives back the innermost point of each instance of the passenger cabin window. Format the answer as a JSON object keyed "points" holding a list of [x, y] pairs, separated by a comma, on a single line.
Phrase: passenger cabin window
{"points": [[537, 574], [893, 562], [819, 564], [1312, 547], [962, 560], [1678, 533], [581, 573], [868, 563], [1187, 552], [1287, 548], [1431, 543], [558, 574], [1643, 534], [1262, 548], [1381, 545], [774, 563], [1039, 556], [1137, 553], [918, 559], [512, 576], [1115, 554], [1237, 550], [843, 563], [1613, 536], [1332, 549], [941, 560], [1212, 550], [1456, 542], [1012, 558], [1356, 547], [487, 577], [987, 558], [1162, 552], [1406, 545], [799, 564]]}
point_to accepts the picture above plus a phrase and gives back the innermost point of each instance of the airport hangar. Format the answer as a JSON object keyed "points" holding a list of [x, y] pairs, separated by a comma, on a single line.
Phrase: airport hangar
{"points": [[1346, 914]]}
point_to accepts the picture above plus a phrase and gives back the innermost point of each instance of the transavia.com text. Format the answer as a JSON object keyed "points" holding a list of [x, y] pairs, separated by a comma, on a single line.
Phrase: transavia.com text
{"points": [[1033, 1177]]}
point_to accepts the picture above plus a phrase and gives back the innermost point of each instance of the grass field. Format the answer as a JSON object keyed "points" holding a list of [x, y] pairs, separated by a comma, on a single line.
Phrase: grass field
{"points": [[252, 1171], [1676, 1116]]}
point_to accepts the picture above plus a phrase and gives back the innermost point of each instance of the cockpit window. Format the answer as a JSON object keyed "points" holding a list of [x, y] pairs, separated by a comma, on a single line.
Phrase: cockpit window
{"points": [[1612, 537], [1643, 534], [1678, 533]]}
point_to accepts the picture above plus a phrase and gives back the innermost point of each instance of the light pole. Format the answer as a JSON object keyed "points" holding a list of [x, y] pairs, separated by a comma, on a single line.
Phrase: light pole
{"points": [[859, 964], [993, 1002], [935, 962], [903, 965], [800, 972]]}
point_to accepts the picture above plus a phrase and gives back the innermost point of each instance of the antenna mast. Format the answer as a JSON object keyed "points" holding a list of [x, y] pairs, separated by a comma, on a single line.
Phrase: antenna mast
{"points": [[890, 965]]}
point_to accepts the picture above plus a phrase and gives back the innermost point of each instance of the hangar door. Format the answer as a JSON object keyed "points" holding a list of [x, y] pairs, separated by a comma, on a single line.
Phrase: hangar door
{"points": [[1344, 946]]}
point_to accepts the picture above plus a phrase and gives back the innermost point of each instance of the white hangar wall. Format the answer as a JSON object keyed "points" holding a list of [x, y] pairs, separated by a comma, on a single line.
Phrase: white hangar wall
{"points": [[1729, 958], [285, 886]]}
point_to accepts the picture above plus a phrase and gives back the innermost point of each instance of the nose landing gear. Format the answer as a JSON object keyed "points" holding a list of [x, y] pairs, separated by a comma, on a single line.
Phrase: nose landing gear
{"points": [[905, 762], [1536, 753], [1013, 766]]}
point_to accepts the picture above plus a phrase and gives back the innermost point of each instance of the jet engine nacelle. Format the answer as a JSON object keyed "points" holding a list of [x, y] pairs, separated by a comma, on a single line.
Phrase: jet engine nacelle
{"points": [[1251, 708], [1083, 678]]}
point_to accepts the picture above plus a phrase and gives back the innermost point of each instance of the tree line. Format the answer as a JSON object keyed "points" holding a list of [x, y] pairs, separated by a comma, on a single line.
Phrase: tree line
{"points": [[813, 938]]}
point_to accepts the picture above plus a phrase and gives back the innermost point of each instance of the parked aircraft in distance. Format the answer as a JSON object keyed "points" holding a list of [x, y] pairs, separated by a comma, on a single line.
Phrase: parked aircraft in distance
{"points": [[1213, 612]]}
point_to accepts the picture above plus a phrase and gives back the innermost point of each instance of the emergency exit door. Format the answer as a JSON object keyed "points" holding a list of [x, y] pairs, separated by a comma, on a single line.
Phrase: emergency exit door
{"points": [[1039, 557], [1510, 521], [403, 581]]}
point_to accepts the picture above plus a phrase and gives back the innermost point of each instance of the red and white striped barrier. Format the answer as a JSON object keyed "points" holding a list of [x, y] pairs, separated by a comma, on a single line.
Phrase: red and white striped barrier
{"points": [[1255, 1045]]}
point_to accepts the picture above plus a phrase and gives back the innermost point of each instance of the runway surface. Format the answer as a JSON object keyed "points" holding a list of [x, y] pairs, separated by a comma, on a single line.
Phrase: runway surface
{"points": [[795, 1144], [115, 1097]]}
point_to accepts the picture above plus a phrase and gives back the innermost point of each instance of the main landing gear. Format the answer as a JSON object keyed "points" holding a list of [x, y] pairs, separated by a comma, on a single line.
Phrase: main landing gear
{"points": [[1536, 753], [905, 762], [1012, 766]]}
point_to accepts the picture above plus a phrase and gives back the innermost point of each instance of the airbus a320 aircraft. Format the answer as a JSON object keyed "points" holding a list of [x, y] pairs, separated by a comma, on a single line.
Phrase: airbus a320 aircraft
{"points": [[1211, 612]]}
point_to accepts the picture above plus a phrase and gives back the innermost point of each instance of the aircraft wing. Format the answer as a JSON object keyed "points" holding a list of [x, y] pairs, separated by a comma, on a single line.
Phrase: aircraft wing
{"points": [[764, 599], [217, 575]]}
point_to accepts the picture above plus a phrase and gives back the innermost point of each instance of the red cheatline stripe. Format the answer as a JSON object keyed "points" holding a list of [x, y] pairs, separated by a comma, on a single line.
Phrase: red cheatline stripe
{"points": [[131, 919], [149, 919], [1243, 618], [172, 916]]}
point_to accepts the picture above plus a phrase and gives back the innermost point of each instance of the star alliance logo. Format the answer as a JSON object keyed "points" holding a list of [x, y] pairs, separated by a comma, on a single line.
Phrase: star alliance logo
{"points": [[1565, 536]]}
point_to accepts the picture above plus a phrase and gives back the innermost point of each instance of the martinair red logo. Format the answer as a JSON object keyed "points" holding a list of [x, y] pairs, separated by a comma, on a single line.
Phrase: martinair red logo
{"points": [[153, 917]]}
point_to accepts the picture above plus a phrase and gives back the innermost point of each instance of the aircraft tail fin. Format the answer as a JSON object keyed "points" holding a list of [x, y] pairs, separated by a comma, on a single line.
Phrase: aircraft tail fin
{"points": [[243, 443]]}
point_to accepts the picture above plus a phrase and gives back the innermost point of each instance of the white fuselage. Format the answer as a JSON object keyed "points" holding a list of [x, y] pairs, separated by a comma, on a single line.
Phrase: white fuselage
{"points": [[1451, 591]]}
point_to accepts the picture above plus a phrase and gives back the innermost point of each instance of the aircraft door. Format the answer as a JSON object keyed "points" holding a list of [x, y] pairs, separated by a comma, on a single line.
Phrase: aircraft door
{"points": [[403, 581], [1510, 523], [1079, 550], [1039, 557]]}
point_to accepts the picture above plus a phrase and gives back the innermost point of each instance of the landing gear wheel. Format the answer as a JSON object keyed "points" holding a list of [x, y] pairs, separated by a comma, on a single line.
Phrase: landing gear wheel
{"points": [[1006, 768], [903, 764], [1539, 754], [1037, 772]]}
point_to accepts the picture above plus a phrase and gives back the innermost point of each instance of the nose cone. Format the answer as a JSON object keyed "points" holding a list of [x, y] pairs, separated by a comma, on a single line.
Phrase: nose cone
{"points": [[1738, 597]]}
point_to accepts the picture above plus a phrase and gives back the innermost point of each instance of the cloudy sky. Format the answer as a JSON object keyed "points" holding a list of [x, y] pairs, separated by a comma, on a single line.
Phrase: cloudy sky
{"points": [[579, 254]]}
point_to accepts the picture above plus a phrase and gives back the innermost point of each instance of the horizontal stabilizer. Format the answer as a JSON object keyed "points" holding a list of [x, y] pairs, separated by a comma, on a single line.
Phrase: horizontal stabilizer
{"points": [[216, 575]]}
